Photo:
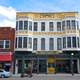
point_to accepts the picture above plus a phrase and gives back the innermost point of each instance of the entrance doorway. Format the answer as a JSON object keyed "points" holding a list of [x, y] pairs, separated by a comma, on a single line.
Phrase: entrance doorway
{"points": [[42, 66]]}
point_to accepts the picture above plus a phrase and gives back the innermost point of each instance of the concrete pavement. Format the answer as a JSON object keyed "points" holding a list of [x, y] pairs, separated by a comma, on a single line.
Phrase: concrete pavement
{"points": [[58, 74], [46, 77]]}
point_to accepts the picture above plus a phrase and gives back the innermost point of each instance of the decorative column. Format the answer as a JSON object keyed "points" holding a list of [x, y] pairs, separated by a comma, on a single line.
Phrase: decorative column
{"points": [[16, 67]]}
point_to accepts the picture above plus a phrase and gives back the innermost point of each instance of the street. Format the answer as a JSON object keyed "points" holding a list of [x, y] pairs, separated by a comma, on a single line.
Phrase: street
{"points": [[45, 77]]}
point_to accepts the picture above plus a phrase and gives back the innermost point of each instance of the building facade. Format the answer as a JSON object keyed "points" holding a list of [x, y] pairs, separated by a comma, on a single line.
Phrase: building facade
{"points": [[7, 36], [48, 40]]}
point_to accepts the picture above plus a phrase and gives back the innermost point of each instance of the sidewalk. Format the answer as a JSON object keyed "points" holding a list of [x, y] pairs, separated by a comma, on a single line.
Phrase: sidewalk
{"points": [[58, 74]]}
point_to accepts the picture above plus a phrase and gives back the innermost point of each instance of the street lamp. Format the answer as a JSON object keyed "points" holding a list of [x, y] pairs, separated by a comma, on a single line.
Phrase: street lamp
{"points": [[72, 63]]}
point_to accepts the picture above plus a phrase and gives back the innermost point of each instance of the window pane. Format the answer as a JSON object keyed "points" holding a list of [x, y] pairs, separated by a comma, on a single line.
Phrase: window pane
{"points": [[16, 43], [51, 44], [1, 43], [30, 25], [42, 26], [63, 25], [64, 42], [68, 24], [69, 42], [30, 42], [35, 26], [20, 25], [25, 42], [35, 44], [59, 45], [77, 25], [51, 26], [74, 42], [19, 42], [16, 25], [78, 41], [25, 25], [73, 24], [7, 44], [43, 44], [58, 26]]}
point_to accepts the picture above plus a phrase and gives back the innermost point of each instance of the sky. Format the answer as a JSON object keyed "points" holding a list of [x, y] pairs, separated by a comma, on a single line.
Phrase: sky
{"points": [[8, 8]]}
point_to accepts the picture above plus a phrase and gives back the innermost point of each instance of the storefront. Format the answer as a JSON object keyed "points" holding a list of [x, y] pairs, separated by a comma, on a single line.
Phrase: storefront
{"points": [[6, 60], [58, 63]]}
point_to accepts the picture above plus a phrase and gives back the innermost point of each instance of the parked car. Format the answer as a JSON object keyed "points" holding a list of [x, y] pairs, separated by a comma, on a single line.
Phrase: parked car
{"points": [[4, 73]]}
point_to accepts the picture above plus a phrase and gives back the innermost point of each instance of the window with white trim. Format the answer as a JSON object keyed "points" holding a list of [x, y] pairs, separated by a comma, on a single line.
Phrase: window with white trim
{"points": [[4, 44]]}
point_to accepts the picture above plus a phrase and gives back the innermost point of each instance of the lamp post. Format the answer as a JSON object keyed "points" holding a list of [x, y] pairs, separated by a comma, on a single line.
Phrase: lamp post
{"points": [[72, 63]]}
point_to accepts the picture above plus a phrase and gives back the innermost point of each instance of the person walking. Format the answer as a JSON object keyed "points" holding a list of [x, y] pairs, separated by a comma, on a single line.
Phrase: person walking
{"points": [[30, 69]]}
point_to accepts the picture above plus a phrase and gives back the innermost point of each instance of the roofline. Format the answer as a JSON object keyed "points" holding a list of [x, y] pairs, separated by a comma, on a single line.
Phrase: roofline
{"points": [[48, 12]]}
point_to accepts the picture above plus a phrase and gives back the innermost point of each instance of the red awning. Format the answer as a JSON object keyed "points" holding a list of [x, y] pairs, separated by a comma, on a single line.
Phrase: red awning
{"points": [[7, 56]]}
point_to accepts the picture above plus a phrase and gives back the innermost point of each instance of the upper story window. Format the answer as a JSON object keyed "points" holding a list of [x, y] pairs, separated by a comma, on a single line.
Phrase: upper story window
{"points": [[42, 26], [42, 43], [51, 26], [78, 42], [19, 42], [51, 44], [64, 42], [7, 44], [73, 24], [25, 25], [63, 25], [68, 24], [1, 43], [30, 43], [68, 42], [20, 25], [16, 25], [35, 26], [16, 42], [59, 44], [24, 42], [35, 44], [4, 44], [77, 25], [58, 26], [74, 42], [30, 25]]}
